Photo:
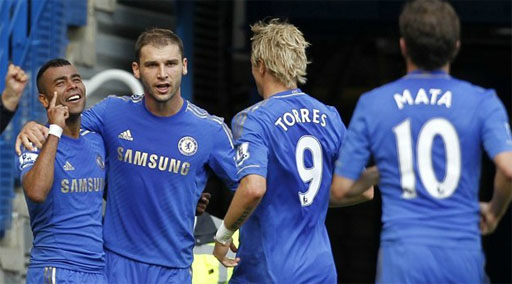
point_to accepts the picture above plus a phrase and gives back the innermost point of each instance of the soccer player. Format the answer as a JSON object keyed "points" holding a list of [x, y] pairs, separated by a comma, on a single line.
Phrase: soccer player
{"points": [[425, 132], [64, 184], [160, 150], [286, 148], [15, 82]]}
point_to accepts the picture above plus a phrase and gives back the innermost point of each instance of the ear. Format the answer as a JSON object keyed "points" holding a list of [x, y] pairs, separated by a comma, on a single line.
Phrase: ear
{"points": [[185, 68], [136, 70], [44, 100], [403, 47], [262, 69], [457, 48]]}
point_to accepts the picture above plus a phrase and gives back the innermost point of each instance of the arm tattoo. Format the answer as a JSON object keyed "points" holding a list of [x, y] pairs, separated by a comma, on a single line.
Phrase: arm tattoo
{"points": [[240, 220]]}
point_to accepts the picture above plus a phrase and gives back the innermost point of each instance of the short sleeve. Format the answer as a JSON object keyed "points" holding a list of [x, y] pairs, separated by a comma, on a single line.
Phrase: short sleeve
{"points": [[222, 158], [495, 130], [251, 149], [26, 160], [93, 118], [355, 148]]}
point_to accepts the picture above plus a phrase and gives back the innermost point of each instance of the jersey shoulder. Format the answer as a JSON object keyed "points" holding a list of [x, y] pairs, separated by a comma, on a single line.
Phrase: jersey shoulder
{"points": [[94, 140], [205, 119], [120, 100]]}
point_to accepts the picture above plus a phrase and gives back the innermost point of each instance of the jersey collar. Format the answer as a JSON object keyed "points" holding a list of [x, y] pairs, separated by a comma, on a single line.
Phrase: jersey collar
{"points": [[288, 93], [427, 74]]}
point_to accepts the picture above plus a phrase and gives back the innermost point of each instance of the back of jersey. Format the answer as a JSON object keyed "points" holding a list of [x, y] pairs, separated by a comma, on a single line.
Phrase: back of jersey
{"points": [[425, 132], [293, 141]]}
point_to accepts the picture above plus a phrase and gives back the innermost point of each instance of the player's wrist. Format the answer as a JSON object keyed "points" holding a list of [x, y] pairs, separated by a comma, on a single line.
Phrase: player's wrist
{"points": [[9, 100], [223, 235], [55, 130]]}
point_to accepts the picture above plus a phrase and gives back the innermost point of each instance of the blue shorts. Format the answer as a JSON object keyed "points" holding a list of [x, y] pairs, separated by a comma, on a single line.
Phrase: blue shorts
{"points": [[53, 275], [408, 263], [122, 270]]}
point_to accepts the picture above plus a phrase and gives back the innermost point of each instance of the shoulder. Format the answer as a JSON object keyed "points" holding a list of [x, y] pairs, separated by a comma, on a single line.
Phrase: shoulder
{"points": [[212, 122], [122, 100], [253, 113], [91, 137], [203, 116]]}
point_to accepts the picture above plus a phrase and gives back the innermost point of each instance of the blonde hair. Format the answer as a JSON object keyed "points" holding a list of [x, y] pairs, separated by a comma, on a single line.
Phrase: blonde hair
{"points": [[282, 48]]}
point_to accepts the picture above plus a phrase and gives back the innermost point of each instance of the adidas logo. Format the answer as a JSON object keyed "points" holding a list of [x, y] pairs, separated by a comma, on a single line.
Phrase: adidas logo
{"points": [[126, 135], [68, 167]]}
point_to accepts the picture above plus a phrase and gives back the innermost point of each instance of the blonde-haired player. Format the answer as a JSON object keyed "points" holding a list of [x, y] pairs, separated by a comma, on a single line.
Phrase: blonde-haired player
{"points": [[287, 146]]}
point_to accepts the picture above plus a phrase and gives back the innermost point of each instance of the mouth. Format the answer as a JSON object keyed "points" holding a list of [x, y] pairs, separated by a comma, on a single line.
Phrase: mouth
{"points": [[73, 98], [163, 88]]}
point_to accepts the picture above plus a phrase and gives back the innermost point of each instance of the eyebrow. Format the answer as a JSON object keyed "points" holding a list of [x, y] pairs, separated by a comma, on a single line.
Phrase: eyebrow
{"points": [[64, 77], [156, 62]]}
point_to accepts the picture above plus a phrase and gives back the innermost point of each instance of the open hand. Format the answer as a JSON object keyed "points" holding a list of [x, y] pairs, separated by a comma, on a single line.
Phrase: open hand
{"points": [[220, 252]]}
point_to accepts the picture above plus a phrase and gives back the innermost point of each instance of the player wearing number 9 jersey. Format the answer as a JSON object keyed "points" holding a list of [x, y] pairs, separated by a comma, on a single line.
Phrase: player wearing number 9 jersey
{"points": [[287, 146], [425, 133]]}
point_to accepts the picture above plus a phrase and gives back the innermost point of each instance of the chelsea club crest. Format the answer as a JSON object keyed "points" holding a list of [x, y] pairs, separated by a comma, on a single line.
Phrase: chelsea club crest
{"points": [[187, 146]]}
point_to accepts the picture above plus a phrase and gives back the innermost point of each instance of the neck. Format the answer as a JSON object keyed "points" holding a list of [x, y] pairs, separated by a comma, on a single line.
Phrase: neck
{"points": [[272, 87], [163, 109], [412, 67], [72, 128]]}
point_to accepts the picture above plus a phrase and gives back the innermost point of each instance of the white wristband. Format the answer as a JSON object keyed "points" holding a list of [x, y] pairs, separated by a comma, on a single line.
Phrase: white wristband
{"points": [[55, 130], [223, 235]]}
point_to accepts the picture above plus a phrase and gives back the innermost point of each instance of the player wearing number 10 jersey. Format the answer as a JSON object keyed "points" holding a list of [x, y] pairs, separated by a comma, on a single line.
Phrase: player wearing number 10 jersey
{"points": [[287, 146], [425, 132]]}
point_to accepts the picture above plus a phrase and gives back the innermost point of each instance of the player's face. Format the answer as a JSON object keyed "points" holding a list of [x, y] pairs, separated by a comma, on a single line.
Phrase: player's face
{"points": [[67, 84], [160, 70]]}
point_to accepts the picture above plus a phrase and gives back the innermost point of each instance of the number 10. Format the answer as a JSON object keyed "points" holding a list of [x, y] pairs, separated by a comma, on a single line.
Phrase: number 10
{"points": [[432, 128]]}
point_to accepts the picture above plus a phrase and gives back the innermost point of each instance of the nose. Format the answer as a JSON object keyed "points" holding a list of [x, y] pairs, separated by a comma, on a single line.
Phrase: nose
{"points": [[162, 74], [72, 84]]}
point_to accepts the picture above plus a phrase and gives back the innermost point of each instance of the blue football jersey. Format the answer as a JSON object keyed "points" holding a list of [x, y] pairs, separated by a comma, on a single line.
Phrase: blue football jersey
{"points": [[292, 140], [67, 225], [425, 133], [158, 168]]}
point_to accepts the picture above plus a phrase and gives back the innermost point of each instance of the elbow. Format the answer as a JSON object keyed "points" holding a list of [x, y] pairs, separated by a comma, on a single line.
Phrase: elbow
{"points": [[254, 193], [369, 194], [503, 163], [35, 195], [36, 192], [337, 193], [254, 188], [507, 172], [339, 189]]}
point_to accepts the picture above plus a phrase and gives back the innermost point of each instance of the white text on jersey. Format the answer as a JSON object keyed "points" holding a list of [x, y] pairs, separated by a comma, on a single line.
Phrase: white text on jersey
{"points": [[153, 161], [302, 115], [422, 98], [82, 185]]}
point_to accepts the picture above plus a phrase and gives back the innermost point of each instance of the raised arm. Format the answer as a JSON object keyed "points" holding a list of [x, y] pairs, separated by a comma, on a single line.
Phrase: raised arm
{"points": [[15, 82], [39, 179]]}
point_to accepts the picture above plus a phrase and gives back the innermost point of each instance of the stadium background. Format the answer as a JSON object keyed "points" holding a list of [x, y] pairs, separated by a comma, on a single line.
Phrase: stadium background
{"points": [[354, 49]]}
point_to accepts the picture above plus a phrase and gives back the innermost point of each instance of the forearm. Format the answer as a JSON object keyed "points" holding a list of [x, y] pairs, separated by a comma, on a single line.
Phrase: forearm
{"points": [[246, 199], [502, 194], [349, 201], [10, 100], [39, 180], [5, 117], [345, 191]]}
